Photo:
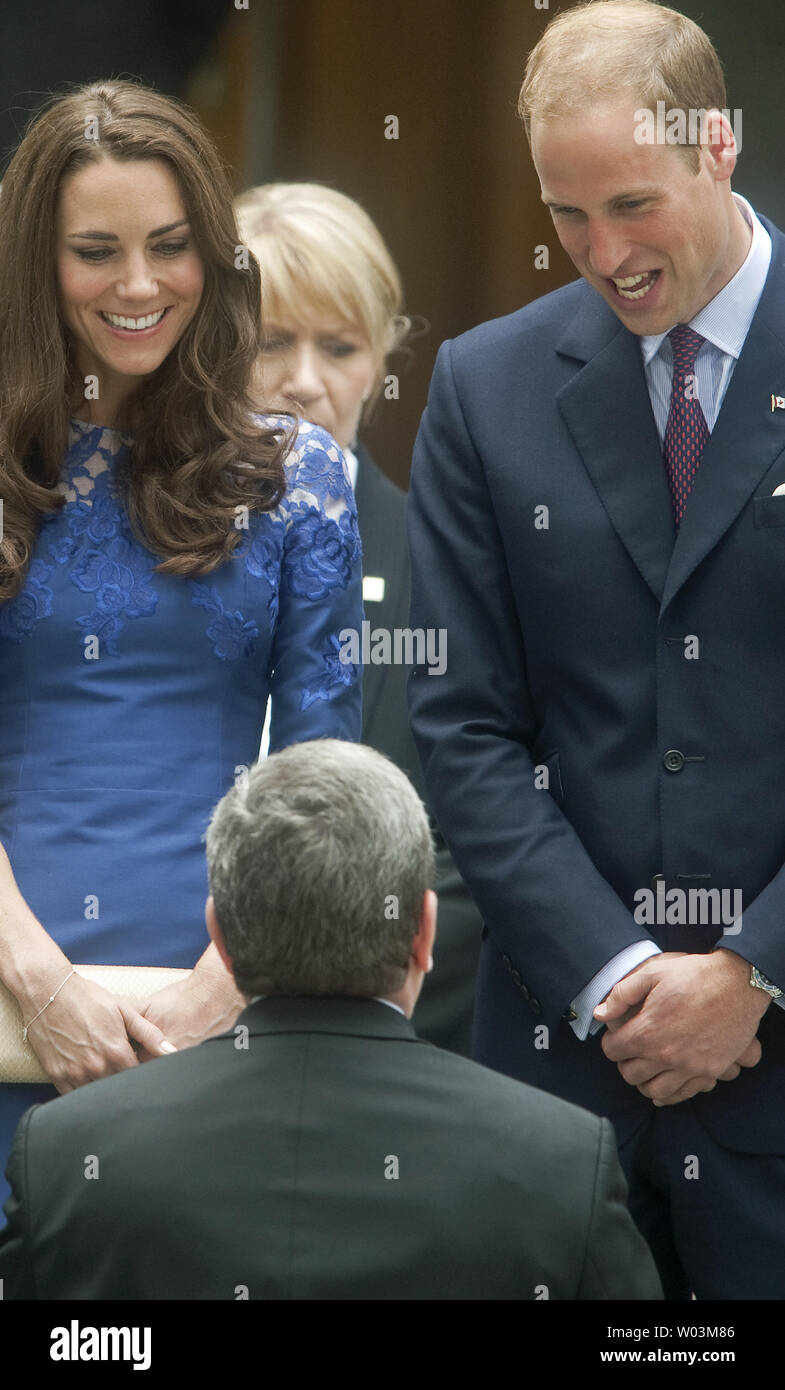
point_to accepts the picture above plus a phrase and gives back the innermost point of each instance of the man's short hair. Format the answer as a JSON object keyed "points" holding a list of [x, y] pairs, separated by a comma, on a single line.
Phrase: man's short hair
{"points": [[605, 48], [318, 860]]}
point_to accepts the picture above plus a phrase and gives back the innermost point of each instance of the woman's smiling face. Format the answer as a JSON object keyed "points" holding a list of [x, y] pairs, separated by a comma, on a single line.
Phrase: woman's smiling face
{"points": [[129, 276]]}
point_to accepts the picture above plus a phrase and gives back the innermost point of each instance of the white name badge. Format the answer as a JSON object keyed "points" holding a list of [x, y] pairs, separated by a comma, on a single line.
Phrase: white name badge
{"points": [[373, 588]]}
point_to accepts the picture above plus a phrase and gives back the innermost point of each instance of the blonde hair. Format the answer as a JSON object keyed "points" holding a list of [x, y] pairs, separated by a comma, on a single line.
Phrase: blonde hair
{"points": [[603, 48], [318, 250]]}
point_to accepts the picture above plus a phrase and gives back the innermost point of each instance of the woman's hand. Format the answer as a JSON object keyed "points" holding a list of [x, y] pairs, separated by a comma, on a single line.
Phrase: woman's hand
{"points": [[87, 1033], [202, 1005]]}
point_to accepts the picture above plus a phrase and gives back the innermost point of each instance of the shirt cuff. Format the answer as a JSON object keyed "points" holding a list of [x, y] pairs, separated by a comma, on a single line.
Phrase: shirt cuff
{"points": [[602, 983]]}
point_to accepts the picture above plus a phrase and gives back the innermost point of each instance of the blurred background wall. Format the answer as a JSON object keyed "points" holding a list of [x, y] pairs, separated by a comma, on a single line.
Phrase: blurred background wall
{"points": [[304, 90]]}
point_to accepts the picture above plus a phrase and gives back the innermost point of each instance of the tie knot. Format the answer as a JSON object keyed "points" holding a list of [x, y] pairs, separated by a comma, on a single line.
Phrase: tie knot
{"points": [[685, 345]]}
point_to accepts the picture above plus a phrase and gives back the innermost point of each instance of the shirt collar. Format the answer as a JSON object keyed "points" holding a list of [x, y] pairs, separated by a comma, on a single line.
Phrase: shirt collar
{"points": [[725, 320], [377, 999], [389, 1004]]}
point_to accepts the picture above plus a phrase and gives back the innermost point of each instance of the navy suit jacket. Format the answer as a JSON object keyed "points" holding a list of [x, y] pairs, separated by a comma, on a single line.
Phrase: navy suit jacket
{"points": [[566, 649]]}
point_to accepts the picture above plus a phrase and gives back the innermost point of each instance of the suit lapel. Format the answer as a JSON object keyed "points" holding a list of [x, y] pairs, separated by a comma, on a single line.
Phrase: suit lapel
{"points": [[746, 438], [606, 406], [607, 410]]}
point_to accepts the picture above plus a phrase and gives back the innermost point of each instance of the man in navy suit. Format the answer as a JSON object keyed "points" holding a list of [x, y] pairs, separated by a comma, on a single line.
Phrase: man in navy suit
{"points": [[597, 516]]}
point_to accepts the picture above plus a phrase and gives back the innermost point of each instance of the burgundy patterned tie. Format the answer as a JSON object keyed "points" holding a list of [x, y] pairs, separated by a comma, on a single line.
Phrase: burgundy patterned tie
{"points": [[686, 431]]}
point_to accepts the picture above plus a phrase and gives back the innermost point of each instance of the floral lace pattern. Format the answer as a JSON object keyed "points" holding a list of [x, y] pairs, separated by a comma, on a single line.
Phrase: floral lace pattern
{"points": [[31, 604], [336, 674], [306, 548], [231, 634]]}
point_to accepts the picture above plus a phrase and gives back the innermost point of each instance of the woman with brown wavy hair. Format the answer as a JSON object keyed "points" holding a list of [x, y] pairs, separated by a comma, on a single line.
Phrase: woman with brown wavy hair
{"points": [[168, 557]]}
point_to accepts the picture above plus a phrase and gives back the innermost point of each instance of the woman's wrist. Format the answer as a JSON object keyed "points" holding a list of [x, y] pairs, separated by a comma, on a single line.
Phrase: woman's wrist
{"points": [[212, 978], [30, 960], [31, 963], [50, 1000]]}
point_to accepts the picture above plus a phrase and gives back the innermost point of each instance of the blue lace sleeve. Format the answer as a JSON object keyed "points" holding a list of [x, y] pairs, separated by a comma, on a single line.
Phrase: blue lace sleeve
{"points": [[314, 693]]}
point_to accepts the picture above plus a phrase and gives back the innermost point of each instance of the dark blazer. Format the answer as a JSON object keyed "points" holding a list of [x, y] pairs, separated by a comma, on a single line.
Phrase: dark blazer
{"points": [[444, 1013], [335, 1156], [571, 643], [381, 513]]}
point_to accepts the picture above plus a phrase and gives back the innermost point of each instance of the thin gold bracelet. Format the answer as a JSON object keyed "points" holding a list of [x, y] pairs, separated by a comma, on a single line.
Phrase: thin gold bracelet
{"points": [[49, 1001]]}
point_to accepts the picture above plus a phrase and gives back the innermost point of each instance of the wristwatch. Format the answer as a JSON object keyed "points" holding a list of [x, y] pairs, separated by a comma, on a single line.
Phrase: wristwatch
{"points": [[759, 981]]}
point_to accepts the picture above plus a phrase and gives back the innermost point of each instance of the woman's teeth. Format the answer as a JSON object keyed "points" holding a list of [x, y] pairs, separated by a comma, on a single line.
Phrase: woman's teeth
{"points": [[635, 286], [119, 320]]}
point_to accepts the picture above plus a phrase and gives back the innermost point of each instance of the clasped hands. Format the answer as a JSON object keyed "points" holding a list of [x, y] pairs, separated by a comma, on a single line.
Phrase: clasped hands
{"points": [[679, 1023], [200, 1006], [89, 1033]]}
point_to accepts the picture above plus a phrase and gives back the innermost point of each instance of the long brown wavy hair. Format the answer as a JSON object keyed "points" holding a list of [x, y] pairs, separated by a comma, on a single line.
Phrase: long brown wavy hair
{"points": [[197, 452]]}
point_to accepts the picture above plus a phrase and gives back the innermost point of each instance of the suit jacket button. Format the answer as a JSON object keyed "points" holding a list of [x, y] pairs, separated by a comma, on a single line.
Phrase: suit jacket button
{"points": [[674, 760], [536, 1007]]}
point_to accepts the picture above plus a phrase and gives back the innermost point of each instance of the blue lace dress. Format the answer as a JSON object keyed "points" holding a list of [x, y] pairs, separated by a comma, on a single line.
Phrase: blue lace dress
{"points": [[129, 701]]}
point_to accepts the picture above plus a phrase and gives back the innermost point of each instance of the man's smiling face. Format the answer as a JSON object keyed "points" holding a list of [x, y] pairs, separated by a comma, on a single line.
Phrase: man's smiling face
{"points": [[656, 240]]}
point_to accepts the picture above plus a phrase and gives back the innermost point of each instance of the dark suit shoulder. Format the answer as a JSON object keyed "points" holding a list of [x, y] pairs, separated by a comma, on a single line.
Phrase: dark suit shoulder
{"points": [[117, 1096], [498, 1134], [551, 312], [504, 1101], [472, 1093], [514, 1187]]}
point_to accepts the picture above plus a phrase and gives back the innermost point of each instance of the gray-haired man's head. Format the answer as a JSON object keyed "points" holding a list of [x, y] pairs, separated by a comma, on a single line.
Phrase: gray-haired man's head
{"points": [[318, 861]]}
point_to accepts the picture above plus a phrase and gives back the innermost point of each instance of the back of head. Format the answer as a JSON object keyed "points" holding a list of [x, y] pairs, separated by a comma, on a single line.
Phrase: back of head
{"points": [[318, 861]]}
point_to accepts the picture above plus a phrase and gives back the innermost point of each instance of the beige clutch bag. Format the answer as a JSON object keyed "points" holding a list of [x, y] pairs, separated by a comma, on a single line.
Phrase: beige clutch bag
{"points": [[132, 983]]}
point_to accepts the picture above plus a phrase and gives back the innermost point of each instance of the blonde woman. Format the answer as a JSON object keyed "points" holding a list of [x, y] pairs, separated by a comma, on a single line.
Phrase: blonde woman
{"points": [[332, 306]]}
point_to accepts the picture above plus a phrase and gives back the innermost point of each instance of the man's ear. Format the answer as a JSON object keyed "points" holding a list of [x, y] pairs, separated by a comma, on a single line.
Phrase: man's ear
{"points": [[215, 933], [719, 139]]}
